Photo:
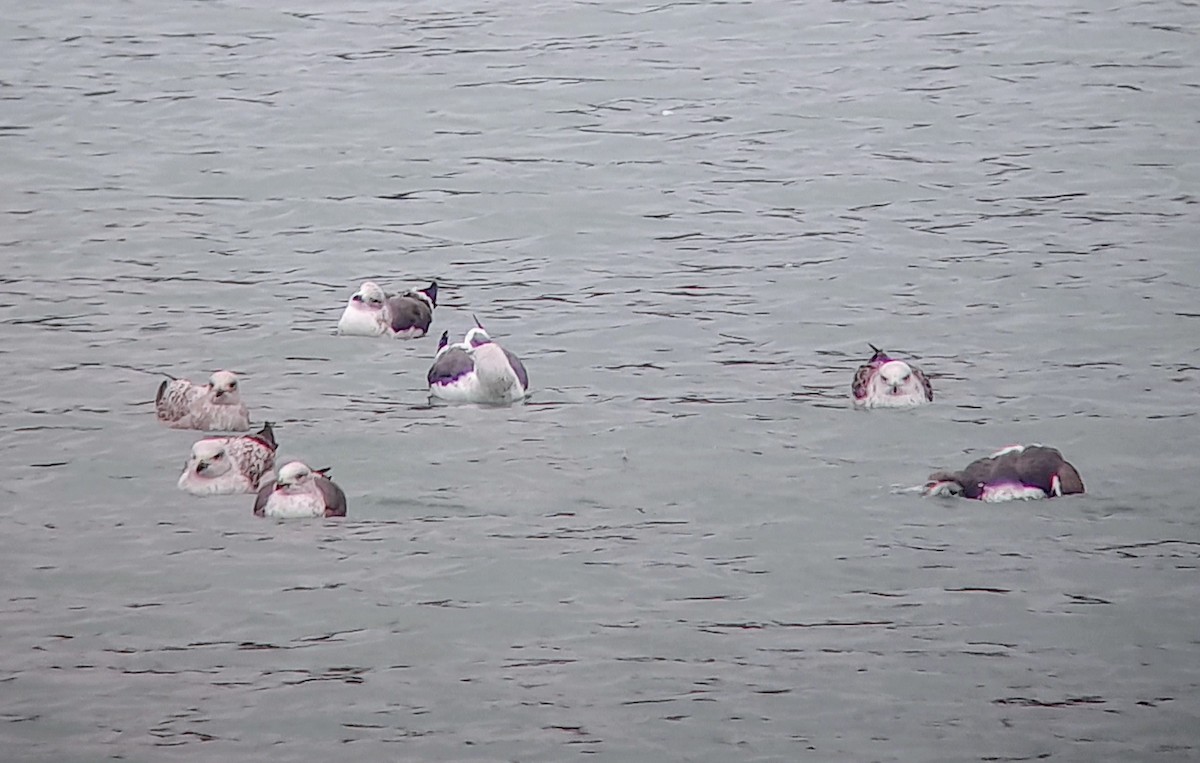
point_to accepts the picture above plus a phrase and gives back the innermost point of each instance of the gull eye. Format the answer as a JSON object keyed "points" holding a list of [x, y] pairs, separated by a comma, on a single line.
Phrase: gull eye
{"points": [[233, 385]]}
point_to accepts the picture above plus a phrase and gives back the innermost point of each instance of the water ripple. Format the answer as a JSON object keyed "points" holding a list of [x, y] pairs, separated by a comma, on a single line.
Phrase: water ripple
{"points": [[690, 219]]}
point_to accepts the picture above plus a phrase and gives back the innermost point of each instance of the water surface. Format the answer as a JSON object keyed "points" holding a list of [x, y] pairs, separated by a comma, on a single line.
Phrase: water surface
{"points": [[689, 219]]}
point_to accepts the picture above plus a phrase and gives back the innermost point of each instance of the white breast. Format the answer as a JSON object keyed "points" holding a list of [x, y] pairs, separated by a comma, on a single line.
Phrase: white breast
{"points": [[283, 506], [1011, 493], [220, 418], [226, 484], [359, 321], [464, 389]]}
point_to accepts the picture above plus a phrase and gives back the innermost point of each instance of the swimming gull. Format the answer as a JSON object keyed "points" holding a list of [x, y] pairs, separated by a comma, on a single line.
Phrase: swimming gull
{"points": [[1015, 472], [885, 382], [371, 312], [477, 370], [180, 404], [300, 491], [225, 465]]}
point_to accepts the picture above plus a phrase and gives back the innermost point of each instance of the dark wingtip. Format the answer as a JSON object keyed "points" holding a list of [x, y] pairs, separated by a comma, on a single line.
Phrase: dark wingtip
{"points": [[162, 389], [477, 323], [1070, 480], [431, 292], [324, 472], [445, 340], [266, 435]]}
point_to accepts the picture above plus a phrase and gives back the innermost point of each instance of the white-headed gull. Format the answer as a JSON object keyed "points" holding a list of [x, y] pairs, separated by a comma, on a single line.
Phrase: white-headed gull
{"points": [[371, 312], [885, 382], [477, 370]]}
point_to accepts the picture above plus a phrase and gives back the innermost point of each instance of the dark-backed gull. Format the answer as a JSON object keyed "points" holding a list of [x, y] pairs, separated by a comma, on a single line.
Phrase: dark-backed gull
{"points": [[300, 491], [477, 370], [371, 312], [1016, 472]]}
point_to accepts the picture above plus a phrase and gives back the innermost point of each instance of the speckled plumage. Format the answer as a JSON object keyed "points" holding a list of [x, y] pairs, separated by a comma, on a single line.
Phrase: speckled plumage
{"points": [[216, 406], [225, 465]]}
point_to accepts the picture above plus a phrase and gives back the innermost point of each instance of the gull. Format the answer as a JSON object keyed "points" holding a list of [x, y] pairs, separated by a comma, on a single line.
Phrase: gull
{"points": [[180, 404], [225, 465], [885, 382], [1012, 473], [476, 370], [300, 491], [371, 312]]}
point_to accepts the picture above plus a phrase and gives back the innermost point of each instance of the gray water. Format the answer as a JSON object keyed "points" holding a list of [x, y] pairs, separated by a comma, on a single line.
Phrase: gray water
{"points": [[689, 219]]}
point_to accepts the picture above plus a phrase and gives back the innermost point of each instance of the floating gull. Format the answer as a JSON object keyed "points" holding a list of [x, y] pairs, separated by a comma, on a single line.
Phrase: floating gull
{"points": [[180, 404], [885, 382], [370, 312], [300, 492], [224, 465], [1016, 472], [476, 370]]}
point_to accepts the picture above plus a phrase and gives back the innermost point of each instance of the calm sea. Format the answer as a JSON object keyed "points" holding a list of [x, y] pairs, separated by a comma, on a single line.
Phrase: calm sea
{"points": [[689, 219]]}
